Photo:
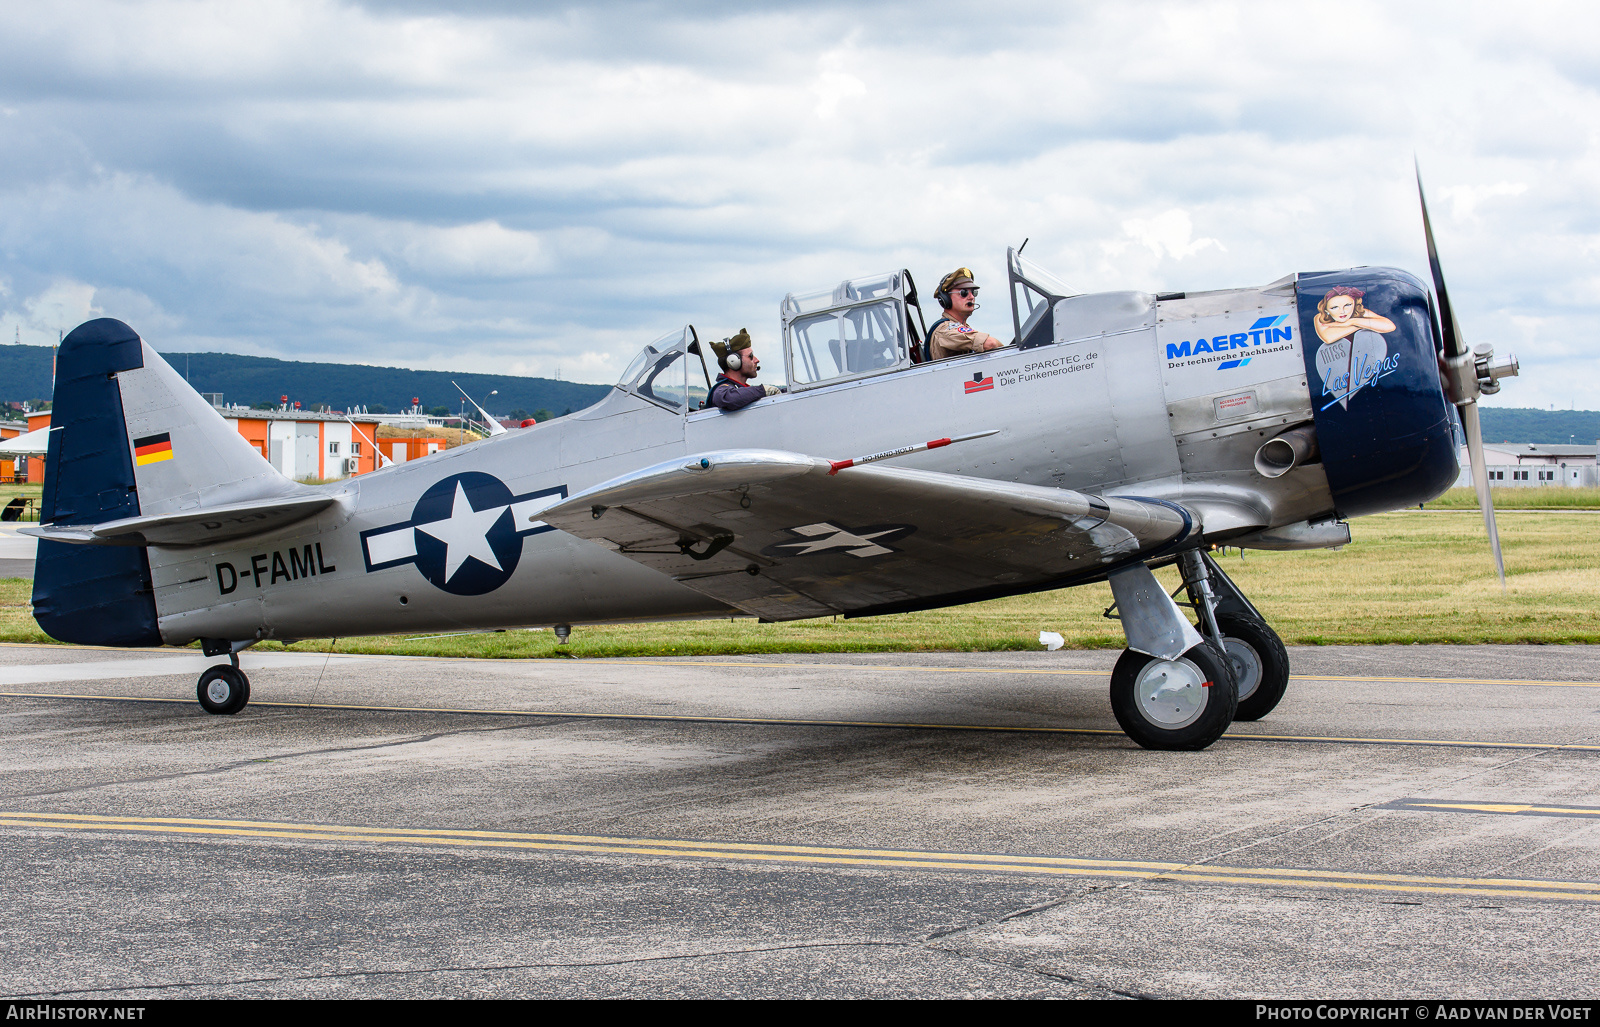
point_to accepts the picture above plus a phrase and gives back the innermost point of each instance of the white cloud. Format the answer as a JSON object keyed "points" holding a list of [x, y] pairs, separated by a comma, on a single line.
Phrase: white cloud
{"points": [[833, 84], [396, 184], [1465, 199], [60, 307], [1170, 233]]}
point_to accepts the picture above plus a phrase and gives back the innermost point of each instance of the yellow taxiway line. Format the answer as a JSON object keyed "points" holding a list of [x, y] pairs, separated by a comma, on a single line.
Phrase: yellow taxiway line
{"points": [[1452, 743], [813, 855], [1524, 809]]}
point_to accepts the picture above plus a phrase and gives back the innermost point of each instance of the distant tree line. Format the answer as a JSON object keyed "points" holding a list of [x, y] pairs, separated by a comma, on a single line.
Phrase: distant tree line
{"points": [[1545, 427], [259, 382]]}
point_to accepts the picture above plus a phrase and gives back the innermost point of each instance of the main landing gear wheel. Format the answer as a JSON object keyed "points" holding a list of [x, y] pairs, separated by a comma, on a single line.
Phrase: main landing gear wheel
{"points": [[1260, 663], [1185, 703], [223, 690]]}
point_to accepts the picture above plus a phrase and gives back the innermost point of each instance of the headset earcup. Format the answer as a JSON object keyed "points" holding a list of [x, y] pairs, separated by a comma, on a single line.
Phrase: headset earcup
{"points": [[732, 362]]}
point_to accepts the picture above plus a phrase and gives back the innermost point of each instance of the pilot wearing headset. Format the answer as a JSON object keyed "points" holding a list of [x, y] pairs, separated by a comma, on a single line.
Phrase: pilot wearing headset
{"points": [[738, 364], [951, 335]]}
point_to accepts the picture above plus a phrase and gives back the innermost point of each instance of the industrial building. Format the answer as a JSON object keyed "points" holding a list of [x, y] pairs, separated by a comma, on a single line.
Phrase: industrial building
{"points": [[1532, 465], [308, 444], [8, 463], [26, 443], [301, 444]]}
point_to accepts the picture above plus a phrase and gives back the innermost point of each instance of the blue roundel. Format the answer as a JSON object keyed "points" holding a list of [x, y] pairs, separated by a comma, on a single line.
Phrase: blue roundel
{"points": [[467, 541]]}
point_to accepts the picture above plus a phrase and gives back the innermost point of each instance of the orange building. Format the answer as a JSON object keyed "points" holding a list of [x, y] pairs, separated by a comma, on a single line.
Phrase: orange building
{"points": [[303, 444], [299, 443], [35, 464], [401, 450], [8, 465]]}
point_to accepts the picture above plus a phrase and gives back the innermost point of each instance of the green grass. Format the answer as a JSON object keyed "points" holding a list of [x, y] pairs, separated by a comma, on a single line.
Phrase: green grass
{"points": [[9, 492], [1406, 578], [1551, 497]]}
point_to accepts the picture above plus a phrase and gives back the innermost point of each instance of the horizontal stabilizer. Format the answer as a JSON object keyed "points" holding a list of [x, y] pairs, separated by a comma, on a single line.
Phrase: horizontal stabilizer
{"points": [[191, 527], [779, 536]]}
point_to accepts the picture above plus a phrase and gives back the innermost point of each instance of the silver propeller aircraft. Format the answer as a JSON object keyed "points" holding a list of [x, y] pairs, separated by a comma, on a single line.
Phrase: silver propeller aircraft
{"points": [[1120, 431]]}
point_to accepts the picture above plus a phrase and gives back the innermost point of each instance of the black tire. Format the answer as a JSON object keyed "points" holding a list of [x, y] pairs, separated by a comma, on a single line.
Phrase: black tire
{"points": [[1200, 712], [1260, 664], [223, 690]]}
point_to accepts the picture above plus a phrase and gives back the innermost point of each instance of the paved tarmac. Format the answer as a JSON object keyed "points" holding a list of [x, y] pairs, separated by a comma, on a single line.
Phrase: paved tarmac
{"points": [[1413, 821], [16, 552]]}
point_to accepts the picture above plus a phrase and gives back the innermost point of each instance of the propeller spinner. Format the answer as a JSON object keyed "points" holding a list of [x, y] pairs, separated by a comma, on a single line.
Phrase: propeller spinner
{"points": [[1466, 376]]}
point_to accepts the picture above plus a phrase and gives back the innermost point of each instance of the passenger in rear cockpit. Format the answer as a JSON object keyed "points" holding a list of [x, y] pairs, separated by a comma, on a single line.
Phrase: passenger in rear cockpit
{"points": [[738, 364], [951, 336]]}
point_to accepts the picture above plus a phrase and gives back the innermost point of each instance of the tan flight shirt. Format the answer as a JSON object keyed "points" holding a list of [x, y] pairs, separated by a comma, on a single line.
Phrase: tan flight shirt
{"points": [[954, 338]]}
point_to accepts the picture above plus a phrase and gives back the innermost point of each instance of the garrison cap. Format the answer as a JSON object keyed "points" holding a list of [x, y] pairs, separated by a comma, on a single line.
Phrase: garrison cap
{"points": [[733, 345]]}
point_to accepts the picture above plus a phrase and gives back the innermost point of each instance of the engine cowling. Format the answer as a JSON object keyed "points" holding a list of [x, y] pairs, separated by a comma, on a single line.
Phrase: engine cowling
{"points": [[1383, 426]]}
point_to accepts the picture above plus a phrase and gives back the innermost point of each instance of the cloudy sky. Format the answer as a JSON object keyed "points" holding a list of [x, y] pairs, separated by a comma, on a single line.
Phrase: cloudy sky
{"points": [[523, 186]]}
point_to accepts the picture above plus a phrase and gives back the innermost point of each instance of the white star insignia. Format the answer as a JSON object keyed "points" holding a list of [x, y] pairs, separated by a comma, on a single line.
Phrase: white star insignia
{"points": [[465, 534]]}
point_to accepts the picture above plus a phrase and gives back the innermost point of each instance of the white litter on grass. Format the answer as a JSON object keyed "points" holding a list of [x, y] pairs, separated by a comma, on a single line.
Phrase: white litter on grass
{"points": [[1051, 641]]}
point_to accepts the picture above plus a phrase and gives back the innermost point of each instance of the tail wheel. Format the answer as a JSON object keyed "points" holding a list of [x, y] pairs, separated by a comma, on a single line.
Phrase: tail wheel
{"points": [[1185, 703], [1260, 663], [223, 690]]}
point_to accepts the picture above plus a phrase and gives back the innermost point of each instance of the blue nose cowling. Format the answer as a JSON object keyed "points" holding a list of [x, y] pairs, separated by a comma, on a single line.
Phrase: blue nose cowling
{"points": [[1384, 427]]}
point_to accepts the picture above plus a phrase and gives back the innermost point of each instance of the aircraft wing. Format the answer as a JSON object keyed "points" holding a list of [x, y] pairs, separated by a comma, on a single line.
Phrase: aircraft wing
{"points": [[776, 535], [191, 527]]}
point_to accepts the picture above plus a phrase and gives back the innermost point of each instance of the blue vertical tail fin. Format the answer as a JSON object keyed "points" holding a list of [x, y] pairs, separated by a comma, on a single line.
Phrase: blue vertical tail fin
{"points": [[92, 595]]}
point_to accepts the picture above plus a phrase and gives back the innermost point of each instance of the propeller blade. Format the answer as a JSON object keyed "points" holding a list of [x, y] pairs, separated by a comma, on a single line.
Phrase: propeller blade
{"points": [[1480, 481], [1453, 346]]}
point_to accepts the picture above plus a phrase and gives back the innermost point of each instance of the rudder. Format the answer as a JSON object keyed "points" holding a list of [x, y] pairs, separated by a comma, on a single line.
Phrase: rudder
{"points": [[92, 595]]}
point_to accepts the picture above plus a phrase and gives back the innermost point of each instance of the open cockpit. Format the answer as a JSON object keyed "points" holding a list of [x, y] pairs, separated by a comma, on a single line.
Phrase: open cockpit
{"points": [[860, 328]]}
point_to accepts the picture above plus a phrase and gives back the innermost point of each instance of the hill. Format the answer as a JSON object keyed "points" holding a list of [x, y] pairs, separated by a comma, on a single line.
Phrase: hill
{"points": [[1549, 427], [25, 376]]}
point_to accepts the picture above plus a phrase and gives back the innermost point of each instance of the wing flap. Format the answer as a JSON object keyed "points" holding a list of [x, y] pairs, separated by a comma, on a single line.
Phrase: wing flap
{"points": [[191, 527], [777, 536]]}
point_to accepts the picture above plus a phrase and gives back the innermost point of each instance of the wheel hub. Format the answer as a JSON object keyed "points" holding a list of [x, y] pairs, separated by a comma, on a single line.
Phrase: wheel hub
{"points": [[1246, 665], [219, 690], [1171, 693]]}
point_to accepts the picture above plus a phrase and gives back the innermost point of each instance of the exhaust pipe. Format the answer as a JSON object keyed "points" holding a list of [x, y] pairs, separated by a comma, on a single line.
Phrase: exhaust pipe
{"points": [[1279, 456]]}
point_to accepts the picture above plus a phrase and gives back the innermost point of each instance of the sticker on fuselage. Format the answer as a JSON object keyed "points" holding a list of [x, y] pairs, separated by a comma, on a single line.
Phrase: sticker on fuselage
{"points": [[1207, 355], [1048, 367], [465, 533]]}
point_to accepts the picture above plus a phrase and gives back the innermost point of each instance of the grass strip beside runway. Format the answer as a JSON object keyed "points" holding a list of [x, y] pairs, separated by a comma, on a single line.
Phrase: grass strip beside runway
{"points": [[809, 855], [1405, 578]]}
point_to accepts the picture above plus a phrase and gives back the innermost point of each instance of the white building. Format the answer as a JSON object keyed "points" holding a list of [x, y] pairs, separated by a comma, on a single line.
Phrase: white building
{"points": [[308, 444], [1531, 465]]}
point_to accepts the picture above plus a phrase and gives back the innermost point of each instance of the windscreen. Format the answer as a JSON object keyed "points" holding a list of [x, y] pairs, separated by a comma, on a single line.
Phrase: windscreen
{"points": [[1033, 293], [659, 374]]}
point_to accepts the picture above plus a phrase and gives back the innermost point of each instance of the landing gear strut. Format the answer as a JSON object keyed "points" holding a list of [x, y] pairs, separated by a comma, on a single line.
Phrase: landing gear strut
{"points": [[223, 689], [1259, 660]]}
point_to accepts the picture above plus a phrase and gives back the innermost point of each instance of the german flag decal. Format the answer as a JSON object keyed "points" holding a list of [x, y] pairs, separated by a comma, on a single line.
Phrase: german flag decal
{"points": [[152, 449]]}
